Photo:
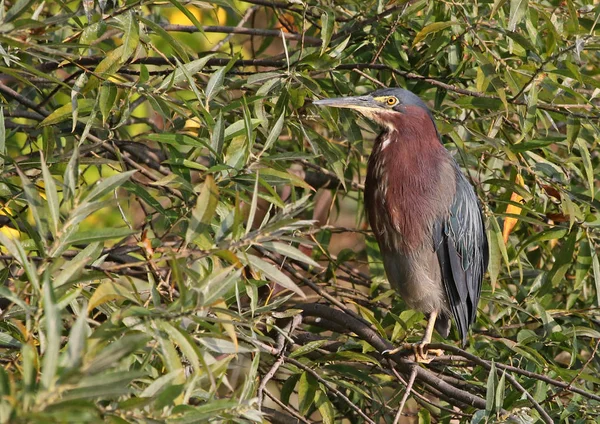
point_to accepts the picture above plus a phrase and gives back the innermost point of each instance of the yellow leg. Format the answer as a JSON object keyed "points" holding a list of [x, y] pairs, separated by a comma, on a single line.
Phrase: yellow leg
{"points": [[419, 348]]}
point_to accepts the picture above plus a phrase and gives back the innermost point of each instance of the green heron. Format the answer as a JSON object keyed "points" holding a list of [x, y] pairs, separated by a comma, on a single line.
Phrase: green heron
{"points": [[424, 213]]}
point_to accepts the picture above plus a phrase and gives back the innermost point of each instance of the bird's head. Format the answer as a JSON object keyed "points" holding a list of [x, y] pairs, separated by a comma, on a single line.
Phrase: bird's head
{"points": [[383, 106]]}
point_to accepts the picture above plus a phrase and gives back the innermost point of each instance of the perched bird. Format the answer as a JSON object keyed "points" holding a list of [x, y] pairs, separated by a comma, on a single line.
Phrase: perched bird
{"points": [[423, 211]]}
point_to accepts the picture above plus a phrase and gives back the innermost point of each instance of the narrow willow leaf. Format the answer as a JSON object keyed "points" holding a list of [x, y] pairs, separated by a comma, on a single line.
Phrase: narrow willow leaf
{"points": [[289, 251], [131, 34], [107, 185], [563, 259], [215, 83], [327, 24], [596, 268], [253, 205], [308, 347], [108, 96], [53, 329], [518, 8], [222, 346], [15, 248], [217, 285], [587, 164], [170, 356], [185, 343], [105, 69], [203, 212], [99, 234], [490, 394], [274, 134], [432, 28], [109, 291], [274, 274], [114, 352], [17, 9], [584, 262], [73, 356], [307, 388], [179, 74], [37, 206], [509, 223], [71, 176], [216, 140], [2, 138], [499, 401], [75, 265], [325, 407], [180, 49], [51, 196], [188, 14]]}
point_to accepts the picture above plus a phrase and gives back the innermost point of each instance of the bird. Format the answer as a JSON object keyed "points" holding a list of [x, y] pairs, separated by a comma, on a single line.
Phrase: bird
{"points": [[424, 213]]}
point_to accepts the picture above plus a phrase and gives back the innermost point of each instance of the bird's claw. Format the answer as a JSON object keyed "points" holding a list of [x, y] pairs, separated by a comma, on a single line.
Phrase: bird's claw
{"points": [[419, 349], [422, 352]]}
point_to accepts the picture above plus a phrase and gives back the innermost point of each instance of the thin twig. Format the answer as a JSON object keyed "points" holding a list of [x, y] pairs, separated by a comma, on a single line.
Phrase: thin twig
{"points": [[409, 385]]}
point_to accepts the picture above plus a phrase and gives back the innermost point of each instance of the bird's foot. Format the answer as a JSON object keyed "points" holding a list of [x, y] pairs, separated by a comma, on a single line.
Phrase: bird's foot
{"points": [[422, 352], [419, 349]]}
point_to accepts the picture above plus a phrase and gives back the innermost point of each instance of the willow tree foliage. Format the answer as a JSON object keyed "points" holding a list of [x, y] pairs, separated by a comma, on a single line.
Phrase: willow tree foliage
{"points": [[183, 234]]}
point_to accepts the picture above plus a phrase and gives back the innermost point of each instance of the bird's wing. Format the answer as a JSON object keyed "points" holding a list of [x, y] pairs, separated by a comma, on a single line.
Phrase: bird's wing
{"points": [[462, 249]]}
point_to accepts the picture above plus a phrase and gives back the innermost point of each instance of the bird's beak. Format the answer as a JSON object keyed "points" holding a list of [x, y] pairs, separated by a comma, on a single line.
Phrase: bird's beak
{"points": [[356, 102]]}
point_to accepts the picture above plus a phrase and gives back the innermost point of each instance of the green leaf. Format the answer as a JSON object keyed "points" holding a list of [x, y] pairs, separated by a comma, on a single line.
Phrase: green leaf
{"points": [[179, 74], [97, 235], [16, 10], [66, 112], [274, 134], [289, 251], [563, 259], [109, 291], [203, 212], [51, 196], [215, 84], [2, 138], [490, 396], [131, 35], [91, 252], [108, 96], [325, 407], [107, 185], [596, 268], [274, 274], [53, 330], [433, 28], [307, 389], [587, 164], [518, 8], [15, 248], [327, 24]]}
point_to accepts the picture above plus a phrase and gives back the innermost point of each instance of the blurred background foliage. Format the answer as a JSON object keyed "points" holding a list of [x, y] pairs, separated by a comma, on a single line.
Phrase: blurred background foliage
{"points": [[183, 234]]}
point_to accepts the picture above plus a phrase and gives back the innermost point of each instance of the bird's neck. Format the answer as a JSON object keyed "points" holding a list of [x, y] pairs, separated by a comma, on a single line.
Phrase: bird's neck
{"points": [[410, 182]]}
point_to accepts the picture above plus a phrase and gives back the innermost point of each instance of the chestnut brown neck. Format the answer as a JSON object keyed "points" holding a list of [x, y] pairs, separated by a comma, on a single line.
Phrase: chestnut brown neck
{"points": [[410, 181]]}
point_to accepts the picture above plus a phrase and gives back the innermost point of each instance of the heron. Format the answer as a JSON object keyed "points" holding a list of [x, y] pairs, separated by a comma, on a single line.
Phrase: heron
{"points": [[424, 213]]}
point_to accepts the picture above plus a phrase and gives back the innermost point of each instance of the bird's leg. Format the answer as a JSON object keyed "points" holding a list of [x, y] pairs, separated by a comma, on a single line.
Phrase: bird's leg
{"points": [[419, 348]]}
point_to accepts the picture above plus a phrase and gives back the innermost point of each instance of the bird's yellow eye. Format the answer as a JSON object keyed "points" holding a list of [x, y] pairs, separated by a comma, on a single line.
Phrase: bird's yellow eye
{"points": [[391, 101]]}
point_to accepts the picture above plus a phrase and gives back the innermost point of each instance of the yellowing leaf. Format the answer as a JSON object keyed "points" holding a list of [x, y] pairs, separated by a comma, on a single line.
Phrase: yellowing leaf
{"points": [[107, 292], [510, 222], [228, 327], [431, 28]]}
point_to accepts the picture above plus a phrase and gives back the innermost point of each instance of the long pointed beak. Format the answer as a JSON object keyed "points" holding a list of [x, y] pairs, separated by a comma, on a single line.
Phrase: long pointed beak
{"points": [[355, 102]]}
